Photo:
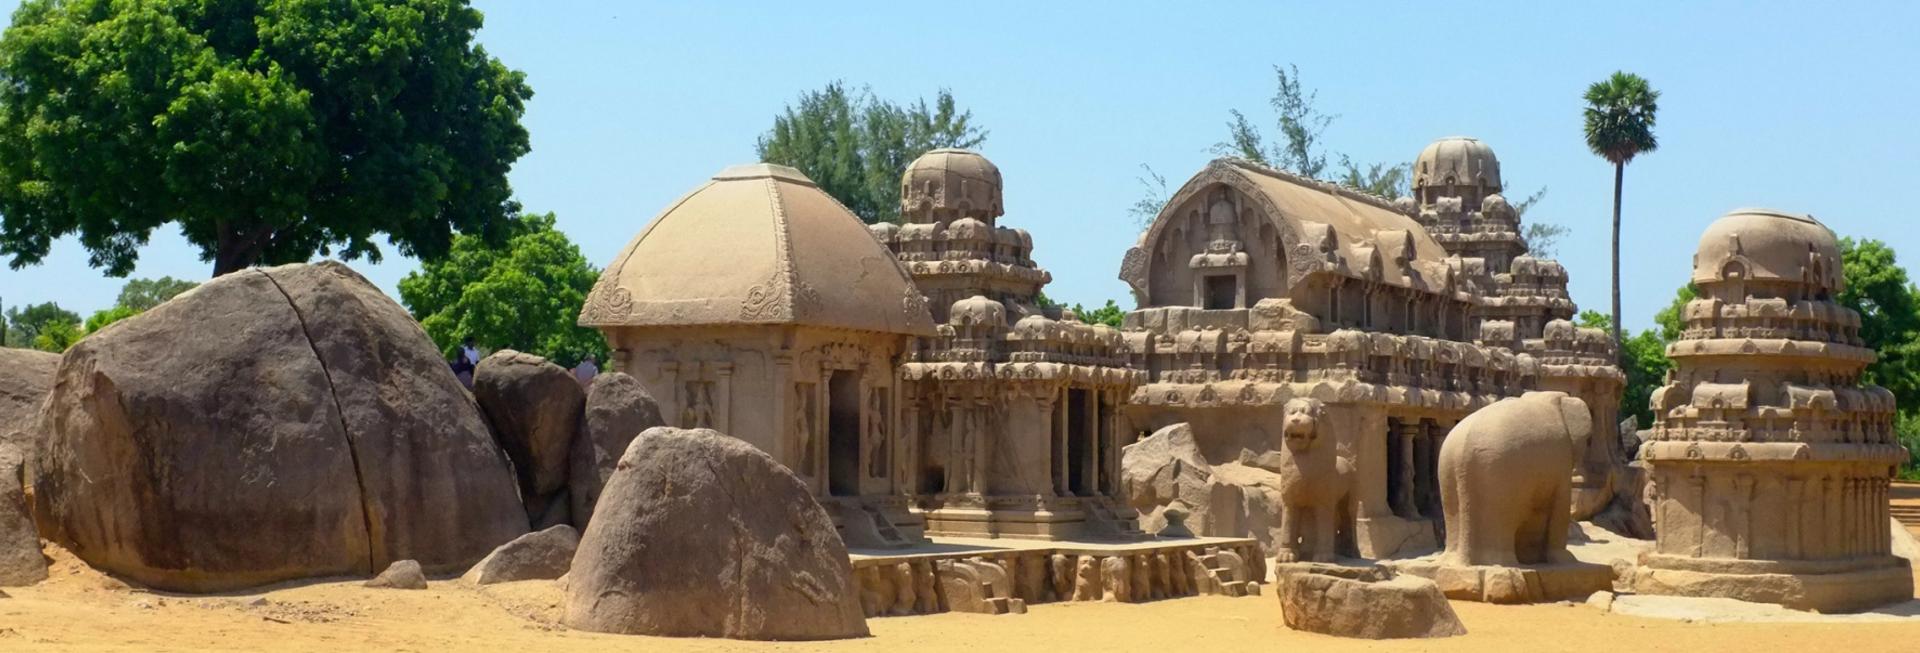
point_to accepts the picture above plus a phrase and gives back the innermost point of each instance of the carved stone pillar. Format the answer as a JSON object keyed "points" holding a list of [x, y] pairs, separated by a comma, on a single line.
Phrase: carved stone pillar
{"points": [[1401, 447]]}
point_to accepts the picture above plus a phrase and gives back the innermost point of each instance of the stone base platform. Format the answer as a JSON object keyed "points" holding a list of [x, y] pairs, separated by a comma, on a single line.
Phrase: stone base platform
{"points": [[1523, 584], [1876, 583], [1001, 576], [1362, 601]]}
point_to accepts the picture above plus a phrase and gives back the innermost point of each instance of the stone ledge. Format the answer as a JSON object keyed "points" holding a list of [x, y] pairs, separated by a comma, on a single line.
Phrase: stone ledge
{"points": [[1522, 584]]}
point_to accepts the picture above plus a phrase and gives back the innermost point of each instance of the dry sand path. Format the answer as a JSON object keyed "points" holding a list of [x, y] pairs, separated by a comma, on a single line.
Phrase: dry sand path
{"points": [[80, 610]]}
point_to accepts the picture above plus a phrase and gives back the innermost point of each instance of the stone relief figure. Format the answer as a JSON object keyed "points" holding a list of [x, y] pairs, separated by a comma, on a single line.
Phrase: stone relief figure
{"points": [[876, 435], [1504, 481], [1316, 487], [803, 419], [698, 413]]}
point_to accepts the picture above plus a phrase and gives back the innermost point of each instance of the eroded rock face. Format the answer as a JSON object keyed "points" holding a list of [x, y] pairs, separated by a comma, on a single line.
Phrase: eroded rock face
{"points": [[20, 559], [618, 410], [289, 422], [25, 378], [534, 407], [1363, 603], [542, 555], [702, 535]]}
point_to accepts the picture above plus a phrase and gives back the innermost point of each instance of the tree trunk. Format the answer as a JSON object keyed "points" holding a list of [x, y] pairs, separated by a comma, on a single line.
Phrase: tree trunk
{"points": [[1619, 172], [238, 252]]}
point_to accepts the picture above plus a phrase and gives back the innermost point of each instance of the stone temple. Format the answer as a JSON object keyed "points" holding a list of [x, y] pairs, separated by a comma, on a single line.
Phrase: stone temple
{"points": [[1770, 458], [1256, 287]]}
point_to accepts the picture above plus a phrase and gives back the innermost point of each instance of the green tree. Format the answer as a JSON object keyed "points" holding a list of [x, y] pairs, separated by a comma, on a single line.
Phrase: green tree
{"points": [[100, 319], [56, 337], [25, 322], [269, 130], [855, 146], [1110, 314], [1619, 121], [144, 294], [524, 295]]}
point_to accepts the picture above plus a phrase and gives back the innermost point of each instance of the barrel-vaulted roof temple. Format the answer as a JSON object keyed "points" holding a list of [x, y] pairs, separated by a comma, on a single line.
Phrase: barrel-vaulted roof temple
{"points": [[914, 377]]}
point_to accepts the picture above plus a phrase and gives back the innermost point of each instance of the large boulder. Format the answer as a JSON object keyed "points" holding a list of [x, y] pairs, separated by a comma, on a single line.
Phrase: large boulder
{"points": [[1363, 603], [534, 407], [273, 424], [618, 409], [703, 535]]}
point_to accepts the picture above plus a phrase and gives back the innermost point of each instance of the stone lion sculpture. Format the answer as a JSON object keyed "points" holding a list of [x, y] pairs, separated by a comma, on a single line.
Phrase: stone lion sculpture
{"points": [[1316, 485], [1505, 480]]}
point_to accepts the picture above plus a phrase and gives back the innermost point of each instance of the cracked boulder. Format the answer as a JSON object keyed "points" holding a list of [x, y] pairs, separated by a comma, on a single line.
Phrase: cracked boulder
{"points": [[702, 535], [274, 424], [534, 407], [25, 378]]}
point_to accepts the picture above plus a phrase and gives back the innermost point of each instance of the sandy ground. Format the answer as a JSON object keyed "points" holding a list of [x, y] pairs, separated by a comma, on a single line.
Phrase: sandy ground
{"points": [[81, 610]]}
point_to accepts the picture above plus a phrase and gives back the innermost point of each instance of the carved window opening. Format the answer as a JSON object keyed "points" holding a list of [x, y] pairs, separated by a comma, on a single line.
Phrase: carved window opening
{"points": [[843, 434]]}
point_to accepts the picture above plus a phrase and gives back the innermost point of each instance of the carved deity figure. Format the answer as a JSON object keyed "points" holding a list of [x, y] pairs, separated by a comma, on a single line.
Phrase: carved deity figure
{"points": [[698, 413], [877, 433], [803, 418]]}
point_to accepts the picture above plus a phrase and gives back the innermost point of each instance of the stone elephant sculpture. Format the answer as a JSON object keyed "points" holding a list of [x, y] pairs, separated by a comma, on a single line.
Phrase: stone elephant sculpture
{"points": [[1506, 480]]}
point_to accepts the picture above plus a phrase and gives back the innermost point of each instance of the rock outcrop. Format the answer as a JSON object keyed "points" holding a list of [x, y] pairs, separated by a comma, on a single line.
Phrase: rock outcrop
{"points": [[287, 422], [534, 407], [541, 555], [618, 410], [1173, 487], [401, 575], [25, 378], [20, 559], [703, 535], [1363, 603]]}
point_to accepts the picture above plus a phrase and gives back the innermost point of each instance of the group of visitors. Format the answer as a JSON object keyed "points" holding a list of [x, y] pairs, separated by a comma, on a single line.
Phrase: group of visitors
{"points": [[465, 361]]}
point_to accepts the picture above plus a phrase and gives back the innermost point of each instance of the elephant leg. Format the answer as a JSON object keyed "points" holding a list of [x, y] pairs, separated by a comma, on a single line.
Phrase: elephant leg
{"points": [[1325, 519], [1286, 549], [1453, 511], [1559, 518], [1492, 518]]}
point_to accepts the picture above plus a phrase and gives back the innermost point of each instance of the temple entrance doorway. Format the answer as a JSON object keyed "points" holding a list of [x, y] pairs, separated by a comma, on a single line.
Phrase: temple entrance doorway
{"points": [[1079, 443], [843, 434]]}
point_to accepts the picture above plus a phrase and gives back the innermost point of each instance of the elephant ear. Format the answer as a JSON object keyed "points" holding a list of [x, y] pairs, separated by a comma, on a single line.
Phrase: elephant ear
{"points": [[1573, 413]]}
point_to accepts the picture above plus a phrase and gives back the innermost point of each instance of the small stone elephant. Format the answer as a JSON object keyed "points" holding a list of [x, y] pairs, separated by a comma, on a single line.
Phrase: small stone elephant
{"points": [[1316, 486], [1506, 480]]}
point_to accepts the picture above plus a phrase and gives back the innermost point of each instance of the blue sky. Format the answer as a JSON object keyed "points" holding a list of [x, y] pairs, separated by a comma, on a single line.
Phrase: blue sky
{"points": [[1785, 105]]}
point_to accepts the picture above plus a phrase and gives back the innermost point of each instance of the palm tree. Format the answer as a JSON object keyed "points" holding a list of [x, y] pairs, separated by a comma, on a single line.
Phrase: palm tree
{"points": [[1619, 124]]}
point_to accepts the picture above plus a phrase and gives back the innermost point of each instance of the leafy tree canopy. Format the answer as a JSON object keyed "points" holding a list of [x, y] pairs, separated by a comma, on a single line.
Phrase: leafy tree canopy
{"points": [[56, 337], [855, 146], [1619, 117], [525, 295], [24, 323], [1111, 314], [269, 130], [143, 294], [100, 319]]}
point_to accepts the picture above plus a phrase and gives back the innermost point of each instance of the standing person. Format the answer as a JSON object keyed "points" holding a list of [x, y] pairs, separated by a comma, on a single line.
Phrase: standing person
{"points": [[469, 352], [586, 370], [462, 369]]}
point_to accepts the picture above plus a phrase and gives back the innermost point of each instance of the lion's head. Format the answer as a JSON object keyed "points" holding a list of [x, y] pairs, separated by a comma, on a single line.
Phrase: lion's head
{"points": [[1302, 423]]}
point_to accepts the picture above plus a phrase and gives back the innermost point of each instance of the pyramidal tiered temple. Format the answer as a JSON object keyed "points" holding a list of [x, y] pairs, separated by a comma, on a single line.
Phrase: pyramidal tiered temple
{"points": [[1523, 303], [1770, 458], [1014, 412]]}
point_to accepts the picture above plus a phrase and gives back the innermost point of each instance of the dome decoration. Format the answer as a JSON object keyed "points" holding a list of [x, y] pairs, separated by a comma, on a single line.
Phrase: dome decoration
{"points": [[758, 244], [950, 179], [1769, 245], [977, 311], [1457, 161], [1496, 205]]}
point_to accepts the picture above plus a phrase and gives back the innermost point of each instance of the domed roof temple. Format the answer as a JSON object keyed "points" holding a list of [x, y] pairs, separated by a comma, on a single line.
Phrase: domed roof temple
{"points": [[1772, 460], [1012, 407], [757, 305]]}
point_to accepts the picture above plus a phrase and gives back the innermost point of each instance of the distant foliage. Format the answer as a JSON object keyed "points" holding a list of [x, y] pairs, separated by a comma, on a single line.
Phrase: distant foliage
{"points": [[855, 146], [525, 295], [100, 319], [24, 323], [1110, 314], [144, 294], [56, 337]]}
